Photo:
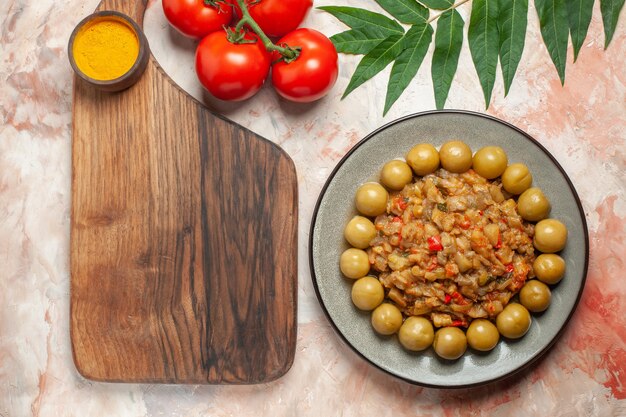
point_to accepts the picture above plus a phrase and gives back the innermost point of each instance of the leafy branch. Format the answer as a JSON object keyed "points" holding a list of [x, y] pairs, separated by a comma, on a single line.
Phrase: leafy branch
{"points": [[496, 33]]}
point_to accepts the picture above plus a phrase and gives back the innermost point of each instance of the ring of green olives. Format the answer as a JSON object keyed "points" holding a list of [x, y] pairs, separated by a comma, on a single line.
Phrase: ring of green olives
{"points": [[416, 333], [386, 319], [455, 156], [535, 296], [550, 236], [450, 343], [423, 159], [514, 321], [359, 232], [516, 178], [482, 335], [371, 199], [490, 162], [532, 205], [549, 268], [396, 174], [367, 293], [354, 263]]}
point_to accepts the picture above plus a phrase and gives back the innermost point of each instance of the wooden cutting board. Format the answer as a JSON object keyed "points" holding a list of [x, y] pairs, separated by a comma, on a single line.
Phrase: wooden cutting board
{"points": [[183, 239]]}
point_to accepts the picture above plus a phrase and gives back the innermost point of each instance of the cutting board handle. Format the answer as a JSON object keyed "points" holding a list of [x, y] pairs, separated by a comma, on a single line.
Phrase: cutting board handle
{"points": [[133, 8]]}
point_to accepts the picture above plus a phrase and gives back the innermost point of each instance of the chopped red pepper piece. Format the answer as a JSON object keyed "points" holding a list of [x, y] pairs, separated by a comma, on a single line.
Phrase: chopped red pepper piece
{"points": [[434, 243], [402, 203], [458, 323], [397, 219], [448, 299], [459, 299], [499, 244], [509, 268]]}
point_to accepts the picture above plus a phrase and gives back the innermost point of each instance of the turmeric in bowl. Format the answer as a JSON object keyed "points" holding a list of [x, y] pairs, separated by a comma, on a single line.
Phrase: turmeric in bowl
{"points": [[105, 48]]}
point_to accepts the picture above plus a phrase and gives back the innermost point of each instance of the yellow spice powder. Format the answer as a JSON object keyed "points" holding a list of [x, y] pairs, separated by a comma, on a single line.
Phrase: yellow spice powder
{"points": [[106, 49]]}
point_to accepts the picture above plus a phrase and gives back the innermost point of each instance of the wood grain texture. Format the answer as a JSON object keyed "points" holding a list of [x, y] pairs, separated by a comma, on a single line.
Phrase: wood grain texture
{"points": [[183, 239]]}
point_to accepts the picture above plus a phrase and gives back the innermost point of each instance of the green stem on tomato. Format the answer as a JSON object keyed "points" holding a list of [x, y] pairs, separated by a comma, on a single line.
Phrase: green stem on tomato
{"points": [[288, 53]]}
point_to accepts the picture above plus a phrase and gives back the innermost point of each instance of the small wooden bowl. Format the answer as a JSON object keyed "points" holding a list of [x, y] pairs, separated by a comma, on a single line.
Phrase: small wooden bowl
{"points": [[133, 74]]}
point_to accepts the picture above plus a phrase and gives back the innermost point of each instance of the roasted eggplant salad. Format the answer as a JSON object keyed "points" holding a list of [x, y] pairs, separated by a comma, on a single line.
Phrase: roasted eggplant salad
{"points": [[452, 249]]}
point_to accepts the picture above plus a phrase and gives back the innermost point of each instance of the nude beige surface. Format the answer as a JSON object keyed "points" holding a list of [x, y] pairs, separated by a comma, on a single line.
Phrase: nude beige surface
{"points": [[583, 124]]}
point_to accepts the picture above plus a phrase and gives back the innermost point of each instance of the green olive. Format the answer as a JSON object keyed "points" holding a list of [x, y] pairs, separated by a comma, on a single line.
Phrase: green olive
{"points": [[367, 293], [455, 156], [550, 236], [396, 174], [532, 205], [490, 162], [359, 232], [416, 333], [354, 263], [516, 178], [535, 296], [371, 199], [549, 268], [482, 335], [450, 343], [423, 159], [386, 319], [514, 321]]}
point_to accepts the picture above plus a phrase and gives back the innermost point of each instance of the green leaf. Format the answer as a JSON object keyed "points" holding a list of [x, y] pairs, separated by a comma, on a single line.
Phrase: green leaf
{"points": [[437, 4], [355, 42], [579, 14], [448, 43], [375, 61], [416, 42], [406, 11], [483, 42], [512, 22], [555, 31], [610, 13], [372, 24]]}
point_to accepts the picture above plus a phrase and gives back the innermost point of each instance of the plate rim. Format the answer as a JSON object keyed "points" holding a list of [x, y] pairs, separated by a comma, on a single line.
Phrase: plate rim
{"points": [[533, 359]]}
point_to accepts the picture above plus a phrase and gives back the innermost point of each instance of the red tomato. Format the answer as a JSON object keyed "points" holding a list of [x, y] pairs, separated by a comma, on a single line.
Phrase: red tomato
{"points": [[196, 19], [231, 71], [313, 73], [277, 17]]}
